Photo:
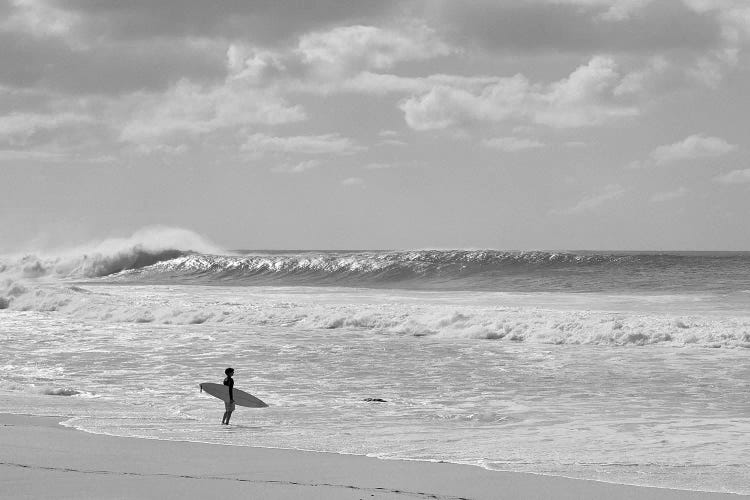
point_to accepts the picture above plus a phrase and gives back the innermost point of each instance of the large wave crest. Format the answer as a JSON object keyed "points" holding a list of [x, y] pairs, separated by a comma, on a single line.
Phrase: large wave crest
{"points": [[146, 247]]}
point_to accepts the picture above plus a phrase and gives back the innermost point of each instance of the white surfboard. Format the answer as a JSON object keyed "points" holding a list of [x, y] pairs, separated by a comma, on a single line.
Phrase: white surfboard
{"points": [[241, 398]]}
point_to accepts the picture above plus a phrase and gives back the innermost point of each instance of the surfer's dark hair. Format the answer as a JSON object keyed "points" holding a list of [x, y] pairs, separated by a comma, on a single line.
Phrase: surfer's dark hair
{"points": [[229, 370]]}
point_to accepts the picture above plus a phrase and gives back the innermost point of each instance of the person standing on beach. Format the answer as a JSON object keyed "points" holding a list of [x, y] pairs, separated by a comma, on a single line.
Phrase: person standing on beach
{"points": [[229, 405]]}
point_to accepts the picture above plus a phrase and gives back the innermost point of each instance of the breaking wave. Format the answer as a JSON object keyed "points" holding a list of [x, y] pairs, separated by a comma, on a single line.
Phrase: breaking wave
{"points": [[21, 274], [144, 248], [45, 390], [482, 270]]}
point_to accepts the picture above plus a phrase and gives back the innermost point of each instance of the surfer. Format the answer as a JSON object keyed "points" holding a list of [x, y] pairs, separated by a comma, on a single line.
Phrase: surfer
{"points": [[229, 405]]}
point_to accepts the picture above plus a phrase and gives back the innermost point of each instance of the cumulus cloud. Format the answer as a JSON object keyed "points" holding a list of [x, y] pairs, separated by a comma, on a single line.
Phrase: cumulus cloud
{"points": [[296, 168], [53, 155], [381, 166], [584, 98], [607, 10], [59, 47], [734, 177], [20, 127], [25, 154], [369, 47], [592, 201], [192, 109], [699, 39], [664, 196], [692, 147], [512, 144], [367, 82], [579, 26], [268, 22], [619, 10], [40, 19], [327, 144], [353, 181], [55, 133]]}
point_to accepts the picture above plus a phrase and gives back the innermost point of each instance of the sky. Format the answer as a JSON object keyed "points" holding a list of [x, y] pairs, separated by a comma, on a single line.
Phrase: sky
{"points": [[273, 124]]}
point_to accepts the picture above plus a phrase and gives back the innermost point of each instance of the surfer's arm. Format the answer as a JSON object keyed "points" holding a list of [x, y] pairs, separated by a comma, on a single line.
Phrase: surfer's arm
{"points": [[231, 391]]}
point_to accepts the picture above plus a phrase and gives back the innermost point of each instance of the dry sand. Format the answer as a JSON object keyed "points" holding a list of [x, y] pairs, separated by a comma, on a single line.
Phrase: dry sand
{"points": [[41, 459]]}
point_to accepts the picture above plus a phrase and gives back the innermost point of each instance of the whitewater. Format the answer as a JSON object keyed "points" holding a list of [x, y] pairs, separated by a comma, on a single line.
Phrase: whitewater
{"points": [[618, 366]]}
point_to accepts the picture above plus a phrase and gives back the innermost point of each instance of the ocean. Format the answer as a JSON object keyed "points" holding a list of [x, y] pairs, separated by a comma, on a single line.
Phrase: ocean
{"points": [[625, 367]]}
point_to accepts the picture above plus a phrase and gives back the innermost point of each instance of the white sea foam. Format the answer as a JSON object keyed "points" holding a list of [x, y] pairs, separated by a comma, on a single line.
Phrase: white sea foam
{"points": [[439, 317], [468, 377]]}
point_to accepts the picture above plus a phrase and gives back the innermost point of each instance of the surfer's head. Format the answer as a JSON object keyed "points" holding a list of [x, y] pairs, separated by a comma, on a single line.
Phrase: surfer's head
{"points": [[229, 372]]}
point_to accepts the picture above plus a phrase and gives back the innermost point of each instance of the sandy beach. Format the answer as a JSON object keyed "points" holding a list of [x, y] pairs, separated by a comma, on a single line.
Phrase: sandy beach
{"points": [[41, 459]]}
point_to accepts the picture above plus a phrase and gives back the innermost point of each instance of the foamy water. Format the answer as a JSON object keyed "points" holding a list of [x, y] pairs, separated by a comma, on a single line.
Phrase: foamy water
{"points": [[641, 387]]}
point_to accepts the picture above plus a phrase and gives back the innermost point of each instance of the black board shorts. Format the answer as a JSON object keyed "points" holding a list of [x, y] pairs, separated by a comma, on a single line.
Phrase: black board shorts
{"points": [[229, 405]]}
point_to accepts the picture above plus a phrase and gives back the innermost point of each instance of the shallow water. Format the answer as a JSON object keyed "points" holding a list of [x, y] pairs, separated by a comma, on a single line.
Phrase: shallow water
{"points": [[622, 388]]}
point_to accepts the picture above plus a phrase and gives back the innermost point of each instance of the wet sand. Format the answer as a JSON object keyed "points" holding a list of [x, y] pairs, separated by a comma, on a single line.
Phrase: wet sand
{"points": [[41, 459]]}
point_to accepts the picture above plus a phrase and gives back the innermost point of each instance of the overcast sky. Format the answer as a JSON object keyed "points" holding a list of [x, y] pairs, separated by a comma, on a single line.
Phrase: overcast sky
{"points": [[544, 124]]}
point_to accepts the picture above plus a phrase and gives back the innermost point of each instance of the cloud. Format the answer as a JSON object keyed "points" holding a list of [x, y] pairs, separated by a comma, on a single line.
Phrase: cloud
{"points": [[369, 47], [296, 168], [512, 144], [40, 19], [53, 155], [327, 144], [267, 22], [353, 181], [700, 39], [579, 26], [669, 195], [733, 17], [52, 45], [56, 133], [607, 194], [608, 10], [734, 177], [692, 147], [621, 10], [582, 99], [394, 164], [382, 166], [191, 109], [367, 82], [18, 128], [25, 154]]}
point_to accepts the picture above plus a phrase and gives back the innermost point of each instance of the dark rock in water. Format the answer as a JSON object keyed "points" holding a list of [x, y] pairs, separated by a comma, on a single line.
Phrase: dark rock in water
{"points": [[375, 400]]}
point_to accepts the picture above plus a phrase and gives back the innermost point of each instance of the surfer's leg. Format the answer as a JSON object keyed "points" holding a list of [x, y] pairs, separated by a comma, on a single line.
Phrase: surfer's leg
{"points": [[229, 407]]}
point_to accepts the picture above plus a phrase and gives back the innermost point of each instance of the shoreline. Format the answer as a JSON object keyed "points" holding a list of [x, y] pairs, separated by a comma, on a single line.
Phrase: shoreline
{"points": [[40, 458], [61, 423]]}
